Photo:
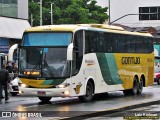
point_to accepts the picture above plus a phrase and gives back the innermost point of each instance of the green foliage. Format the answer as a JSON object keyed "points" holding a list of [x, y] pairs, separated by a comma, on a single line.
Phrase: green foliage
{"points": [[67, 12]]}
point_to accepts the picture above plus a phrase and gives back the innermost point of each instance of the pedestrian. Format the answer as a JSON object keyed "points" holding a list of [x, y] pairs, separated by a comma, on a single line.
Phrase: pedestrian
{"points": [[14, 70], [4, 80], [9, 67]]}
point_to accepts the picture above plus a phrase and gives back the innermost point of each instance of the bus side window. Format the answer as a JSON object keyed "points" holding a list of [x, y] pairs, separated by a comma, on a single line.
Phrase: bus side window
{"points": [[101, 45], [108, 43], [94, 44], [114, 38], [86, 42], [90, 42]]}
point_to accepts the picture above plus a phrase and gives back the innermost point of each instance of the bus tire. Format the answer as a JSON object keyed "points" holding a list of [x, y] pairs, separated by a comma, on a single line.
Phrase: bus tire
{"points": [[14, 93], [89, 93], [45, 99], [158, 81], [134, 90], [126, 92], [140, 86]]}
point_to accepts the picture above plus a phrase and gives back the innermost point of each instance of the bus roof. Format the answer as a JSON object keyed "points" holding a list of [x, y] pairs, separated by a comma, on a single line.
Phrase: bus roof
{"points": [[74, 27]]}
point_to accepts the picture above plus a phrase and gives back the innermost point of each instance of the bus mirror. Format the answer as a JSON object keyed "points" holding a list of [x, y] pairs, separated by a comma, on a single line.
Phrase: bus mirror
{"points": [[70, 52]]}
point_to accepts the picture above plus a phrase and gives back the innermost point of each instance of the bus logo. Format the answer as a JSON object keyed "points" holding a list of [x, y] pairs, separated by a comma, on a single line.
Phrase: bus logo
{"points": [[77, 89], [90, 62], [130, 60]]}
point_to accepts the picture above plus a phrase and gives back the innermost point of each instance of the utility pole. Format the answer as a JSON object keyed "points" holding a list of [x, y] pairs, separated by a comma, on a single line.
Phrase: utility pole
{"points": [[31, 19], [40, 12], [52, 14], [109, 11]]}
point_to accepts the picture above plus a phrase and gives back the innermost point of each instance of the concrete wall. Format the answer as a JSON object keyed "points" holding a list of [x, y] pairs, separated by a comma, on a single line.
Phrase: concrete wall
{"points": [[23, 9]]}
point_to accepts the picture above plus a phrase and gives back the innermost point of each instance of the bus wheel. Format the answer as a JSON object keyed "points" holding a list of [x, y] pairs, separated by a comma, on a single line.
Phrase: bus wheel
{"points": [[14, 93], [89, 93], [134, 90], [45, 99], [126, 92], [158, 81], [140, 86]]}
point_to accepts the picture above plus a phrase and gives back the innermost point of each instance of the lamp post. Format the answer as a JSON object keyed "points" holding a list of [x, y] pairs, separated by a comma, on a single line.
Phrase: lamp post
{"points": [[40, 12], [52, 13], [121, 18]]}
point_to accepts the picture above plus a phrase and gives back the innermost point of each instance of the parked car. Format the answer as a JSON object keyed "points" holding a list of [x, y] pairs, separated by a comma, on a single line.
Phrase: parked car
{"points": [[13, 87], [157, 74]]}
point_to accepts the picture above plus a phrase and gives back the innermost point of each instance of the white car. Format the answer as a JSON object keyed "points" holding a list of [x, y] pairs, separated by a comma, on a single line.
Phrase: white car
{"points": [[13, 86]]}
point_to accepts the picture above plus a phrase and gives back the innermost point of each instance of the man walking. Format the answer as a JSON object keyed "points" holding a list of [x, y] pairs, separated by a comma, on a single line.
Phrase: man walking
{"points": [[4, 80]]}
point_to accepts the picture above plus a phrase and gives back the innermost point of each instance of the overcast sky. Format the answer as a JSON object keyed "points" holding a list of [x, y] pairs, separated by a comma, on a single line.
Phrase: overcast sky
{"points": [[102, 3]]}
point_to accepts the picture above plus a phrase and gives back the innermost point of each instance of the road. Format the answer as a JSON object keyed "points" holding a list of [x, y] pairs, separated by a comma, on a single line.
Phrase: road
{"points": [[151, 110], [71, 107]]}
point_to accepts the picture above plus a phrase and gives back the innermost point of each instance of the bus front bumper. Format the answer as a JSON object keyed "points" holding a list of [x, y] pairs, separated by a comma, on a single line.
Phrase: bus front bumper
{"points": [[49, 92]]}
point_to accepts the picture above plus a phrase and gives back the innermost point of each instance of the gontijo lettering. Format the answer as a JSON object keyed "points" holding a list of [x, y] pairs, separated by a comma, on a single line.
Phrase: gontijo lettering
{"points": [[130, 60]]}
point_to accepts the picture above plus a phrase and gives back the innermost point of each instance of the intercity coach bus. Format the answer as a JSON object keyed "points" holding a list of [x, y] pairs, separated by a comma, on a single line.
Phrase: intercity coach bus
{"points": [[83, 60]]}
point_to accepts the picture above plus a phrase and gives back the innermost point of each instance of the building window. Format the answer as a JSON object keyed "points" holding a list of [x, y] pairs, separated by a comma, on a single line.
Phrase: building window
{"points": [[8, 8], [149, 13]]}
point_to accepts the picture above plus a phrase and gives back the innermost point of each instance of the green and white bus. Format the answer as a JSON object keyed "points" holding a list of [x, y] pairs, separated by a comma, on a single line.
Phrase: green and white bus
{"points": [[83, 60]]}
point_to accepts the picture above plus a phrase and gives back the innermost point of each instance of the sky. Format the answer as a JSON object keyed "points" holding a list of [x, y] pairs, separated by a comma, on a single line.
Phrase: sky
{"points": [[103, 3]]}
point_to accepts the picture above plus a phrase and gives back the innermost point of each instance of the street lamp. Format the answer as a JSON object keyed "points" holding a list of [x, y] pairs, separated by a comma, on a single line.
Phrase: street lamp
{"points": [[121, 18], [129, 15], [51, 14]]}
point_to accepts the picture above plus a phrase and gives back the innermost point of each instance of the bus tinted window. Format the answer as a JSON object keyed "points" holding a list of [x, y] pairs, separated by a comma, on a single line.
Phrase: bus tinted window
{"points": [[117, 43], [97, 42]]}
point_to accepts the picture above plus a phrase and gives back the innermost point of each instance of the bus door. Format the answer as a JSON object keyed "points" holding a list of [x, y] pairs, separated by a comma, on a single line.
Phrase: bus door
{"points": [[77, 67]]}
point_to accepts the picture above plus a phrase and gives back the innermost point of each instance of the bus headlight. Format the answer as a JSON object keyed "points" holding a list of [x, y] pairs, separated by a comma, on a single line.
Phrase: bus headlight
{"points": [[22, 85], [63, 85], [66, 92], [20, 92]]}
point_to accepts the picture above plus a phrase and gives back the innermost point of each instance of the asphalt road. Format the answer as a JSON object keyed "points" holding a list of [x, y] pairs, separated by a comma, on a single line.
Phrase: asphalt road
{"points": [[147, 111], [71, 107]]}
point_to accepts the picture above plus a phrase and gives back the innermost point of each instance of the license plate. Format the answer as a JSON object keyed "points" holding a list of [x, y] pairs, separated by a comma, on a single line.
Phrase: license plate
{"points": [[41, 93]]}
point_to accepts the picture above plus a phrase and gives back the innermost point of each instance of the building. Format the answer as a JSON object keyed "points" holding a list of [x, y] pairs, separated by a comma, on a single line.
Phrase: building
{"points": [[13, 22], [145, 13], [102, 3], [138, 15]]}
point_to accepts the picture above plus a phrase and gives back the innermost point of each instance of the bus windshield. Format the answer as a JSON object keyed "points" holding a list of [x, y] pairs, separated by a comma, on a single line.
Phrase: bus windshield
{"points": [[47, 39], [46, 58]]}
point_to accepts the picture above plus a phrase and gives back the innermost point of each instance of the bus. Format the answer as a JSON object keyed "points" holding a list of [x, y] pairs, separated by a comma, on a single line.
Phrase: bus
{"points": [[82, 60]]}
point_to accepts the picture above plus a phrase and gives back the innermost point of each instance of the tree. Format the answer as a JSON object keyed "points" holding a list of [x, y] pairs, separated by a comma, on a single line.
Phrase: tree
{"points": [[68, 12]]}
